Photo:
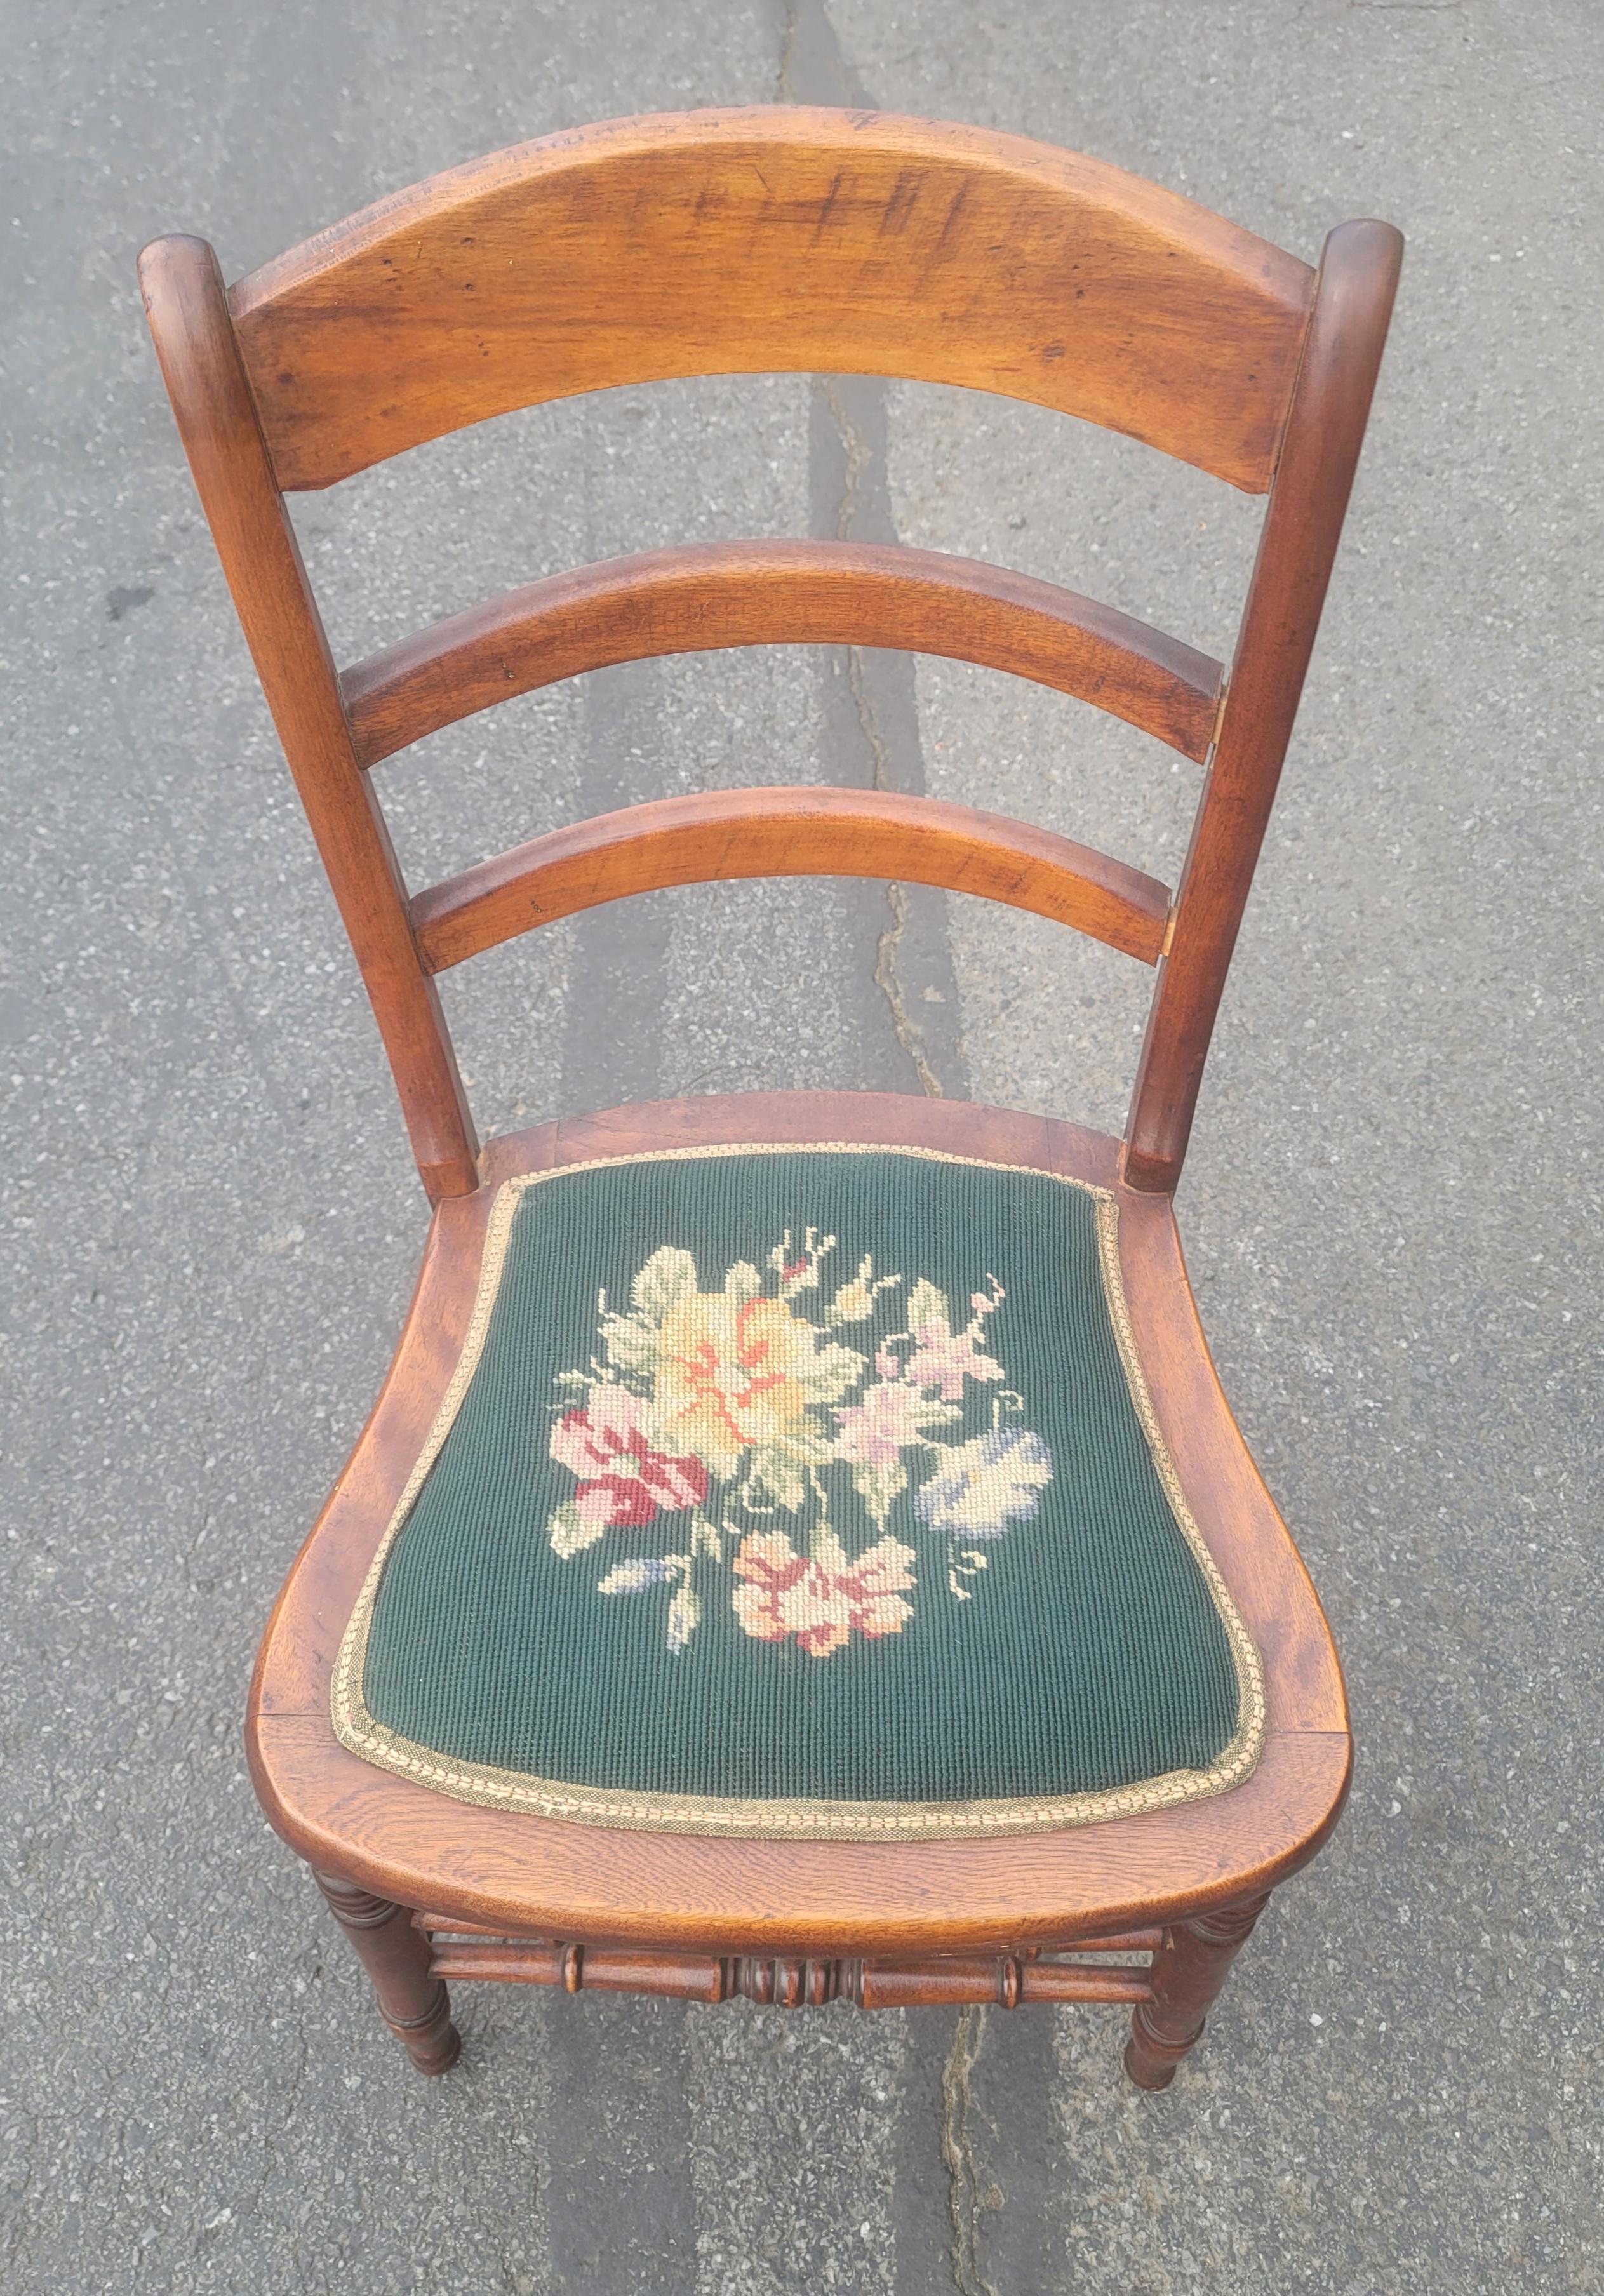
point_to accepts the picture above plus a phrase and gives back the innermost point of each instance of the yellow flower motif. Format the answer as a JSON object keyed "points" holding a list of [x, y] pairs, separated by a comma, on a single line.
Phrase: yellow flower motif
{"points": [[732, 1372]]}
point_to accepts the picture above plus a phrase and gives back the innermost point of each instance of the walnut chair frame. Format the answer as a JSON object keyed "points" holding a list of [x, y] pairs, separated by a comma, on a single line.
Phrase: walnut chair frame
{"points": [[742, 242]]}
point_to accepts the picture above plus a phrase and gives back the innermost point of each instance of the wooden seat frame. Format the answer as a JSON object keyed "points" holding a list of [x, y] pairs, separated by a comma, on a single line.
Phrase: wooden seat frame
{"points": [[743, 241]]}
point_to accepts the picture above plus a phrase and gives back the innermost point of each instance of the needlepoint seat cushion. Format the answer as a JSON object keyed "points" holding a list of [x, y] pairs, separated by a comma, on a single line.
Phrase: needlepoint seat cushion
{"points": [[804, 1490]]}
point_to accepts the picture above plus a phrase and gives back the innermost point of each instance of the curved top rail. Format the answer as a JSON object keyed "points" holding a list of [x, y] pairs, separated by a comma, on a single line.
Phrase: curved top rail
{"points": [[767, 239], [734, 593]]}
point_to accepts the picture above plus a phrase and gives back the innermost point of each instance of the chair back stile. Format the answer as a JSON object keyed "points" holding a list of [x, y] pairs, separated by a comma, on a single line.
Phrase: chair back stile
{"points": [[261, 562], [1348, 320], [750, 241]]}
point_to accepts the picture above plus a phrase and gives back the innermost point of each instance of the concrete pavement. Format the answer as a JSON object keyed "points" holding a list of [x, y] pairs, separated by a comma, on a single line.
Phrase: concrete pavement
{"points": [[1390, 1209]]}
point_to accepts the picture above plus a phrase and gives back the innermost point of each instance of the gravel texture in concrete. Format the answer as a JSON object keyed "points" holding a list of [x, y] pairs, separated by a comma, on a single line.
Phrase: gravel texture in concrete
{"points": [[1391, 1206]]}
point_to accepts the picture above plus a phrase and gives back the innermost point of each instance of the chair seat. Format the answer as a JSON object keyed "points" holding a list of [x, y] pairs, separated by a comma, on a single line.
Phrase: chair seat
{"points": [[1133, 1672], [800, 1489]]}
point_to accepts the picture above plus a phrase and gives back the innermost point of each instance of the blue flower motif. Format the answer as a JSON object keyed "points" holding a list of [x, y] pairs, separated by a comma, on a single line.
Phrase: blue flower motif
{"points": [[985, 1485]]}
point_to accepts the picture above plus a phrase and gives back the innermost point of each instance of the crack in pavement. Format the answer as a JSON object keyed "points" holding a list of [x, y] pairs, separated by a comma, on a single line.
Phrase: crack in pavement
{"points": [[858, 456], [863, 472], [967, 2199], [812, 67], [909, 1035], [871, 707], [871, 704]]}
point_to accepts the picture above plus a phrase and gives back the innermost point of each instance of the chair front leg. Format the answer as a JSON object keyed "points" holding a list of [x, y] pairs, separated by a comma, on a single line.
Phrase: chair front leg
{"points": [[414, 2004], [1188, 1970]]}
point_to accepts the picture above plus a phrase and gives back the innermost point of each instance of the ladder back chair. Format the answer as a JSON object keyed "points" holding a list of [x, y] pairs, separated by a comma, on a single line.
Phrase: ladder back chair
{"points": [[801, 1549]]}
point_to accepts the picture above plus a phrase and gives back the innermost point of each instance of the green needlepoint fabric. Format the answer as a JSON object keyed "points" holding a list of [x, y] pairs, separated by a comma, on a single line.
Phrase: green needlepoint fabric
{"points": [[797, 1477]]}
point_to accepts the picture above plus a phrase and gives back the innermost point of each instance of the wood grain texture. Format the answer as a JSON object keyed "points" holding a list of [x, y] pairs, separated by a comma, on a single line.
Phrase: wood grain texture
{"points": [[707, 241], [1325, 430], [504, 1870], [768, 240], [1013, 1982], [201, 364], [790, 1982], [412, 1998], [1188, 1970], [745, 594], [789, 833]]}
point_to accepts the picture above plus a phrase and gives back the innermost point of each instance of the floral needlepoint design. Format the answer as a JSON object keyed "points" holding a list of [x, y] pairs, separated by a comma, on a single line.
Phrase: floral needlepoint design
{"points": [[821, 1598], [987, 1484], [707, 1413], [622, 1478]]}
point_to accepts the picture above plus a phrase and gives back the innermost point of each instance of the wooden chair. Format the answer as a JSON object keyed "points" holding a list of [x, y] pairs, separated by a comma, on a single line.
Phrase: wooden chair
{"points": [[742, 242]]}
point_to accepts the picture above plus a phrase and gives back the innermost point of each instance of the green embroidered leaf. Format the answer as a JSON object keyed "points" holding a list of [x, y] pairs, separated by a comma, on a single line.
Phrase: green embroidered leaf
{"points": [[664, 1281], [632, 1345], [569, 1534], [685, 1616], [877, 1487], [927, 1304], [775, 1476], [833, 1370]]}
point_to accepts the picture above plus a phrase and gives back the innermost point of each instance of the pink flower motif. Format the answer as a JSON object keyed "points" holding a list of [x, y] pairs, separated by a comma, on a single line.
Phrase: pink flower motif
{"points": [[822, 1599], [875, 1433], [943, 1358], [622, 1481]]}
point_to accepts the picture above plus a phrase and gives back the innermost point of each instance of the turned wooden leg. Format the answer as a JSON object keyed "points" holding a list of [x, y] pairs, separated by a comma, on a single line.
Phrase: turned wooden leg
{"points": [[1188, 1969], [415, 2005]]}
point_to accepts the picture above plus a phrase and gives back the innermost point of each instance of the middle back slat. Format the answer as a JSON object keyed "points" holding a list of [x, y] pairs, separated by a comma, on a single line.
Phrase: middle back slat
{"points": [[712, 595]]}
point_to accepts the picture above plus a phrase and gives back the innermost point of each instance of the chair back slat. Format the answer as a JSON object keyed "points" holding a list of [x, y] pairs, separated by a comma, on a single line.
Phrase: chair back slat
{"points": [[738, 241], [724, 834], [742, 593], [775, 240]]}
